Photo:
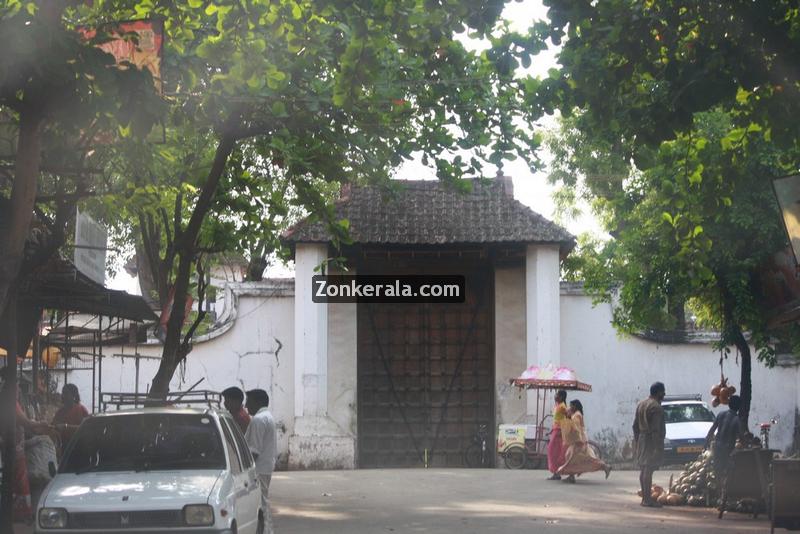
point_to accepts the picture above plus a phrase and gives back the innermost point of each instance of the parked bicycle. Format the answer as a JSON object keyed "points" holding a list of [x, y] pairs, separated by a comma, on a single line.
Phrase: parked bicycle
{"points": [[479, 452], [765, 428]]}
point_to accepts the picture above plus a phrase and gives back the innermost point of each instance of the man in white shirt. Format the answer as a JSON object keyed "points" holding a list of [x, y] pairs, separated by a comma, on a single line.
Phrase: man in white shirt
{"points": [[263, 442]]}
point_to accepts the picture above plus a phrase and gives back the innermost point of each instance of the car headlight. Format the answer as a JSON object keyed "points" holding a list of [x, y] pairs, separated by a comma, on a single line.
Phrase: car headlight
{"points": [[52, 518], [198, 515]]}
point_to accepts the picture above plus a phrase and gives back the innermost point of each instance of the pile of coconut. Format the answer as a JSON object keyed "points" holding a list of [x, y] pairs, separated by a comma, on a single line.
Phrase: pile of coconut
{"points": [[695, 486]]}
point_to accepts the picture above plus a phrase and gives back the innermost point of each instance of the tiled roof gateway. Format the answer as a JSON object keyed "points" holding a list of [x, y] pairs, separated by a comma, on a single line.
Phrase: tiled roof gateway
{"points": [[429, 212]]}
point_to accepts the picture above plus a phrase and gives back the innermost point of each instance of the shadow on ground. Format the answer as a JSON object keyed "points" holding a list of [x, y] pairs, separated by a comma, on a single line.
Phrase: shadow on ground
{"points": [[479, 500]]}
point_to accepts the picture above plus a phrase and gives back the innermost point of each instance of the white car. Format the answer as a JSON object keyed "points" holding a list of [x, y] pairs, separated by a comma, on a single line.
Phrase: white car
{"points": [[155, 470], [688, 420]]}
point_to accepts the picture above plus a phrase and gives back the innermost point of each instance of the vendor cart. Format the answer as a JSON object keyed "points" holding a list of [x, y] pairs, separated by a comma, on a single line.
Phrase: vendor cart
{"points": [[745, 488], [543, 381], [784, 510]]}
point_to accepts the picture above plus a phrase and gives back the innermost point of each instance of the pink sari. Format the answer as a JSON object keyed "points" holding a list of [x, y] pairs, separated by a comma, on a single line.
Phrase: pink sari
{"points": [[555, 451]]}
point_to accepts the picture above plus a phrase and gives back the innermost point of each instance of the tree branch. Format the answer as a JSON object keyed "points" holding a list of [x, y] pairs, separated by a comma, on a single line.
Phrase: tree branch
{"points": [[201, 312]]}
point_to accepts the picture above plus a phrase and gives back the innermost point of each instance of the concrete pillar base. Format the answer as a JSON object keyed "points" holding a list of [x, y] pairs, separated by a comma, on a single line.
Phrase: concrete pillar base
{"points": [[319, 443]]}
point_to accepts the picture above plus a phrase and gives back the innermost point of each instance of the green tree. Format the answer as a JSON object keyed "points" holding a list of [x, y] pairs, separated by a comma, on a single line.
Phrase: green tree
{"points": [[326, 92], [58, 92], [697, 225], [700, 97], [644, 68]]}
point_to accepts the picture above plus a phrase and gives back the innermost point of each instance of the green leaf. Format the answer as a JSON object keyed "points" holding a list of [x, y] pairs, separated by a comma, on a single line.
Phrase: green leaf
{"points": [[297, 12], [255, 82], [742, 96], [279, 109], [697, 176]]}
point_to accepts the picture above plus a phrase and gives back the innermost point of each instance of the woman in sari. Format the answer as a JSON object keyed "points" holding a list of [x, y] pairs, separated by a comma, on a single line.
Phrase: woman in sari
{"points": [[69, 417], [579, 457], [555, 447]]}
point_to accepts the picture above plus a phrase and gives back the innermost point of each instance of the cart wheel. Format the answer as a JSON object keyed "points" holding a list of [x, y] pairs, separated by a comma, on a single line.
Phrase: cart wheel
{"points": [[514, 457]]}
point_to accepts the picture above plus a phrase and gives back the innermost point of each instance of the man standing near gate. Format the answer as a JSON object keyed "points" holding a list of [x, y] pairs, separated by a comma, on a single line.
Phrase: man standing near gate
{"points": [[263, 442], [649, 431]]}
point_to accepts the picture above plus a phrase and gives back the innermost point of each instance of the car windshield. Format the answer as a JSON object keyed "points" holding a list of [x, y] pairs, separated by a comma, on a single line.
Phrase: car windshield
{"points": [[143, 442], [687, 413]]}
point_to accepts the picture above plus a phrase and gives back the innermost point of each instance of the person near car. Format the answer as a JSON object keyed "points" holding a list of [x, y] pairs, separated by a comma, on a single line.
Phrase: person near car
{"points": [[555, 447], [262, 439], [649, 431], [70, 415], [233, 399], [727, 428], [22, 509], [579, 458]]}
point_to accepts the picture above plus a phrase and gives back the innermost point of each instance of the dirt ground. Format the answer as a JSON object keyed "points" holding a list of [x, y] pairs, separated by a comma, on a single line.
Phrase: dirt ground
{"points": [[476, 501]]}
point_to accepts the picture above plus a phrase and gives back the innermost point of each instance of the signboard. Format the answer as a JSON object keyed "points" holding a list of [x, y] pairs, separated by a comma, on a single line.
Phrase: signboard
{"points": [[144, 54], [780, 284], [91, 240], [787, 190]]}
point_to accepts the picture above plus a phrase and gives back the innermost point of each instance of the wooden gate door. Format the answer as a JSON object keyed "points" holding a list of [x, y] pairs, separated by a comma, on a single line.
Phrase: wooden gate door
{"points": [[425, 379]]}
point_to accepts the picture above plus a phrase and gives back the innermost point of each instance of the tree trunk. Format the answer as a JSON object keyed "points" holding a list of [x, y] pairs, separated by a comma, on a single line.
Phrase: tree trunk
{"points": [[172, 354], [746, 383], [255, 268], [23, 197], [27, 320], [8, 404]]}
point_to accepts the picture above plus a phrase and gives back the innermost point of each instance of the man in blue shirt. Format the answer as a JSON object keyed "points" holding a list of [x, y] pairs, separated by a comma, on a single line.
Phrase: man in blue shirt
{"points": [[728, 428]]}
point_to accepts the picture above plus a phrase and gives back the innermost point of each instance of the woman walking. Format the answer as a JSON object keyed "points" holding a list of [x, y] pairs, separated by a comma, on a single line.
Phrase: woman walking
{"points": [[579, 457], [555, 447]]}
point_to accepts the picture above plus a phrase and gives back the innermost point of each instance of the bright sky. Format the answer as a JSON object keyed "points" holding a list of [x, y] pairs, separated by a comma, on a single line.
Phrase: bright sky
{"points": [[530, 189]]}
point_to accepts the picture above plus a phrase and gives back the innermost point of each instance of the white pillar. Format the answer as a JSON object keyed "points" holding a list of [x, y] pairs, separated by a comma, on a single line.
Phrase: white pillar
{"points": [[310, 335], [542, 309]]}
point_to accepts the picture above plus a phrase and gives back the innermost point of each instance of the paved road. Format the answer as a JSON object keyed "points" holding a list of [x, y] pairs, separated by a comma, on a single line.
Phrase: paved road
{"points": [[466, 501]]}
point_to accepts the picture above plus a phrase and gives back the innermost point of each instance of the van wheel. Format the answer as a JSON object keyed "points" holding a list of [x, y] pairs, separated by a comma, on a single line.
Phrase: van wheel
{"points": [[234, 528]]}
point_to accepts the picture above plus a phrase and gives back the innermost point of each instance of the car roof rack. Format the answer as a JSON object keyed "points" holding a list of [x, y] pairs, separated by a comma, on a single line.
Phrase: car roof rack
{"points": [[687, 397], [201, 397]]}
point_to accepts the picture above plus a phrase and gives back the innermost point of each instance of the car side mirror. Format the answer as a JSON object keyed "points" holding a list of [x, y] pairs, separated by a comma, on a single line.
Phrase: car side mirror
{"points": [[51, 466]]}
